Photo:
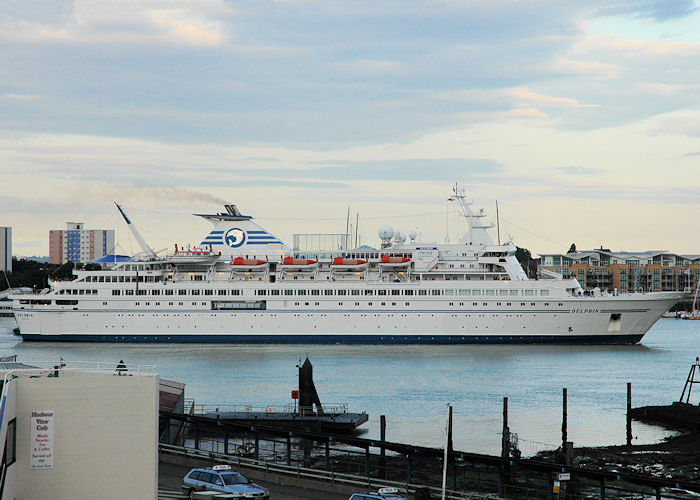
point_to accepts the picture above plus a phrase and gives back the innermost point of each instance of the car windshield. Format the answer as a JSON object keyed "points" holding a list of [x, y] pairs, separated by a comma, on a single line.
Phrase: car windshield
{"points": [[234, 478]]}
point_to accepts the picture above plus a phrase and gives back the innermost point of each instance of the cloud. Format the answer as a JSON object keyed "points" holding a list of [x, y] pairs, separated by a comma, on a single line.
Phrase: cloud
{"points": [[18, 97], [106, 22], [576, 170], [667, 89], [593, 69], [694, 153], [658, 10]]}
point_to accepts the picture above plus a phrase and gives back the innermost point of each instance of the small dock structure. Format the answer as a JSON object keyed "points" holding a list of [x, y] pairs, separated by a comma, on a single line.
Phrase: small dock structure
{"points": [[307, 413]]}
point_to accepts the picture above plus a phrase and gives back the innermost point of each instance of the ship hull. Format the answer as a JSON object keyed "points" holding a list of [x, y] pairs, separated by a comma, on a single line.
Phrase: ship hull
{"points": [[612, 320]]}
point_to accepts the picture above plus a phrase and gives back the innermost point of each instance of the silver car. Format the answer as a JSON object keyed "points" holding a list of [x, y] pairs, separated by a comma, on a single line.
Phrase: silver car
{"points": [[222, 478]]}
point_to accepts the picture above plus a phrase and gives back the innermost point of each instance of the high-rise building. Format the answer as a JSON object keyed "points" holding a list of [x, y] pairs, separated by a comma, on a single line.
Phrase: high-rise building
{"points": [[76, 244], [6, 249]]}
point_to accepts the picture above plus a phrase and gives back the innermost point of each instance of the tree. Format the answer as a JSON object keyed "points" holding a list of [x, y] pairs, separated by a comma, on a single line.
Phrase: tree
{"points": [[528, 264]]}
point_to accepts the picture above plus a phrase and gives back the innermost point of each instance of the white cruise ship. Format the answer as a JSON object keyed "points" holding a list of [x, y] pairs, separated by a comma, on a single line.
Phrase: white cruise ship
{"points": [[243, 284]]}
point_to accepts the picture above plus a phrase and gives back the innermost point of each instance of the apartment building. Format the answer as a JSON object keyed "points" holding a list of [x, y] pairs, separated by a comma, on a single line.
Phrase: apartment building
{"points": [[652, 270], [77, 244]]}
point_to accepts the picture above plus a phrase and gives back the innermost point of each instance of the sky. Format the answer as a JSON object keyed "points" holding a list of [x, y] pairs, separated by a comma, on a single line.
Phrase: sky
{"points": [[581, 119]]}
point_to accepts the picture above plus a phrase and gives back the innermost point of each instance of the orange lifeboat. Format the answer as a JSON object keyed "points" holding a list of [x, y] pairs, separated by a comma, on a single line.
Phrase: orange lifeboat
{"points": [[339, 261], [291, 261], [386, 259], [240, 261]]}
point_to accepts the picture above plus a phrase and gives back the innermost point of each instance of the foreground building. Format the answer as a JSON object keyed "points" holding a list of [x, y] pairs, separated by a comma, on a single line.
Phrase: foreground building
{"points": [[72, 433], [77, 244], [6, 249], [649, 271]]}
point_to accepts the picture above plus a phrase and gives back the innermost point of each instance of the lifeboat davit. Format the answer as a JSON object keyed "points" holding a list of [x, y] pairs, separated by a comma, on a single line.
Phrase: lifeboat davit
{"points": [[291, 261], [240, 261], [386, 259], [340, 261]]}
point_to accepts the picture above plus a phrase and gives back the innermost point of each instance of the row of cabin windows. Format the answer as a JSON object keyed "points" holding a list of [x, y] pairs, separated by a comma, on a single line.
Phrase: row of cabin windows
{"points": [[450, 292], [70, 291], [121, 279], [381, 292], [170, 291]]}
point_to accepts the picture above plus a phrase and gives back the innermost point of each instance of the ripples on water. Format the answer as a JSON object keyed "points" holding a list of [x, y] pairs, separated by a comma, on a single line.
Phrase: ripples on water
{"points": [[412, 384]]}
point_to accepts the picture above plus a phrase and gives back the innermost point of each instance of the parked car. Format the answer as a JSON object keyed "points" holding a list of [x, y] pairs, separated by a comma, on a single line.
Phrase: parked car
{"points": [[222, 478], [381, 494]]}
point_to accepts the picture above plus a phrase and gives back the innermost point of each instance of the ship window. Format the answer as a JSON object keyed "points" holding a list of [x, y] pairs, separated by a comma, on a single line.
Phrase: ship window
{"points": [[221, 292], [328, 292], [102, 279], [476, 292], [274, 292], [262, 292], [355, 292], [396, 292], [315, 292], [129, 292], [513, 292], [435, 292], [489, 292], [342, 292], [544, 293], [528, 293], [195, 292], [10, 455], [422, 292], [140, 292], [503, 292], [182, 292], [464, 292], [288, 292], [235, 292], [155, 292], [301, 292], [369, 292], [381, 292], [81, 292], [168, 292], [208, 292], [449, 292], [408, 292], [116, 292]]}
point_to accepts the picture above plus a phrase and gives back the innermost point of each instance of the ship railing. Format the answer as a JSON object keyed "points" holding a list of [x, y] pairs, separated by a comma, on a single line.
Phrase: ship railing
{"points": [[328, 408], [35, 369]]}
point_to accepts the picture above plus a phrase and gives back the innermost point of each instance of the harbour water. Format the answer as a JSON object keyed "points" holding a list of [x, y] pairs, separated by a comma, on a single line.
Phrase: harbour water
{"points": [[412, 384]]}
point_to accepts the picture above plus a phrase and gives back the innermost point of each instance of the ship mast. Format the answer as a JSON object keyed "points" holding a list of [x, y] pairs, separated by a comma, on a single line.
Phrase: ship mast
{"points": [[476, 232]]}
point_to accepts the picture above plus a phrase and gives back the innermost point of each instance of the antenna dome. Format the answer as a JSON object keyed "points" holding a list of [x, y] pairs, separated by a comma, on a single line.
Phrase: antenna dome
{"points": [[412, 234], [399, 237], [385, 233]]}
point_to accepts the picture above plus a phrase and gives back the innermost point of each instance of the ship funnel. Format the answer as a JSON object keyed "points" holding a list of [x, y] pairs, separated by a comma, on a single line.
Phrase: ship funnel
{"points": [[233, 210]]}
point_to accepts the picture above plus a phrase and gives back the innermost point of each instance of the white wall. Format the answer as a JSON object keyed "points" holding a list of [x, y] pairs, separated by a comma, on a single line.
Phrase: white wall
{"points": [[105, 436]]}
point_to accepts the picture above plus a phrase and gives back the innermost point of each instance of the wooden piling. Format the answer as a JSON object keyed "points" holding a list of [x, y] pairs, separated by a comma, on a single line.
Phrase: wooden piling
{"points": [[629, 413], [382, 450], [505, 436], [564, 437]]}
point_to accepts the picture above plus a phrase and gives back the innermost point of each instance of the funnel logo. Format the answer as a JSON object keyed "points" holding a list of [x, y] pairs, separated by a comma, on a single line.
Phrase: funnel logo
{"points": [[234, 237]]}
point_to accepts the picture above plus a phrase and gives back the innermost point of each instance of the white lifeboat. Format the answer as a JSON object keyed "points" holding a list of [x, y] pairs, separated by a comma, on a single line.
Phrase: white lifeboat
{"points": [[391, 261], [341, 263], [292, 263], [196, 256], [245, 264]]}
